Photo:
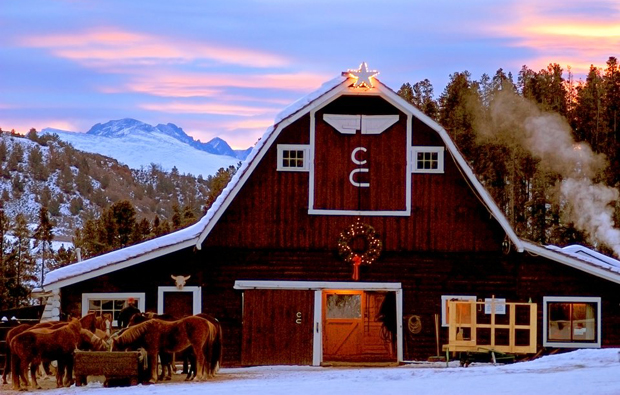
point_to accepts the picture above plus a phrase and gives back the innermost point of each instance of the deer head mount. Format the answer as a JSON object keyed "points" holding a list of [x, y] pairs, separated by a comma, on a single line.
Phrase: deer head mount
{"points": [[180, 280]]}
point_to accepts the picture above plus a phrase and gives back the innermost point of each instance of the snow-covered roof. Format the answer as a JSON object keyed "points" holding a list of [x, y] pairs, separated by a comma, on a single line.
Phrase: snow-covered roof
{"points": [[124, 257], [197, 233], [581, 258]]}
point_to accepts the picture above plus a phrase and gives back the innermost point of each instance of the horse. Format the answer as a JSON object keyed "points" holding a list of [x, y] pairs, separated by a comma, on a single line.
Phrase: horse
{"points": [[87, 322], [36, 345], [91, 341], [157, 336], [167, 361], [215, 352]]}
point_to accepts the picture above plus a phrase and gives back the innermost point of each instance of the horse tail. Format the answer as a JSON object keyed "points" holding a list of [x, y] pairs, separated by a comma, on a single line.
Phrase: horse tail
{"points": [[15, 369], [217, 350], [7, 364]]}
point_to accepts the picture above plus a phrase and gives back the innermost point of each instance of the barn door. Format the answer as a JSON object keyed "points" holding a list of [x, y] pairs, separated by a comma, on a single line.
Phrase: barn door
{"points": [[179, 303], [277, 327], [354, 329]]}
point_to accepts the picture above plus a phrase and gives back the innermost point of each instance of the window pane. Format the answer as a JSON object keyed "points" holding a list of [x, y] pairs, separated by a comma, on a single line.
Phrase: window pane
{"points": [[570, 322], [344, 306]]}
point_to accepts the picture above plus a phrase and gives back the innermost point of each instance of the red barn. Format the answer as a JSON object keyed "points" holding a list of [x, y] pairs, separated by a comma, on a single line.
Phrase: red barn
{"points": [[342, 238]]}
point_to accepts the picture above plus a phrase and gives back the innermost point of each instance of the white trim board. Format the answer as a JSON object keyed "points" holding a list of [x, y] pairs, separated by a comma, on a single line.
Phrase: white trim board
{"points": [[196, 299], [139, 296]]}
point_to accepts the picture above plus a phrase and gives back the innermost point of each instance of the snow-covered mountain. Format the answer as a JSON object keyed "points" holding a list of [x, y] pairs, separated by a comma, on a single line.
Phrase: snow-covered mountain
{"points": [[138, 144]]}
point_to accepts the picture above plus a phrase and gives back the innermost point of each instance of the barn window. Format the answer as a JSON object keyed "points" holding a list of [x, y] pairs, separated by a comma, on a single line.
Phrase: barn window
{"points": [[572, 322], [427, 159], [293, 157], [109, 303], [464, 310]]}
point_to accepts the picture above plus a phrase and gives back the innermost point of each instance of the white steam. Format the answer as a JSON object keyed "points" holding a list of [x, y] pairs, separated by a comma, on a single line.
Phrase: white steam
{"points": [[517, 122]]}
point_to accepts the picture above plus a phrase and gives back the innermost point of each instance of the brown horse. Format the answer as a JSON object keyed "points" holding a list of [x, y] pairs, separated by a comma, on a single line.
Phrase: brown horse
{"points": [[215, 353], [34, 346], [87, 322], [91, 341], [157, 336]]}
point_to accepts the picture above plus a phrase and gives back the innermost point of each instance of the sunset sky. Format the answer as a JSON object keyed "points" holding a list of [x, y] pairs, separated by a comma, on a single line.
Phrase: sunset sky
{"points": [[226, 68]]}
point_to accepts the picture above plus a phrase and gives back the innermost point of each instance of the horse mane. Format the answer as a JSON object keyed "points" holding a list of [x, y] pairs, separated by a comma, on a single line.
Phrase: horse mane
{"points": [[133, 333], [89, 321]]}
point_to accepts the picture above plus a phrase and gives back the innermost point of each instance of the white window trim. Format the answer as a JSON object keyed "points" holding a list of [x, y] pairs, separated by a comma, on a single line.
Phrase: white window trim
{"points": [[138, 296], [196, 300], [294, 147], [446, 298], [440, 159], [571, 299]]}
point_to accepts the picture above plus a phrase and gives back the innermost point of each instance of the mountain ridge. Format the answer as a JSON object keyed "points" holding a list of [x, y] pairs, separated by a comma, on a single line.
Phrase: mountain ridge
{"points": [[139, 145]]}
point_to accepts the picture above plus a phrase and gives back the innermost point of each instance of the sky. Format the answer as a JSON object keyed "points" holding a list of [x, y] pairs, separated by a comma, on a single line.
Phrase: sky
{"points": [[225, 69], [581, 372]]}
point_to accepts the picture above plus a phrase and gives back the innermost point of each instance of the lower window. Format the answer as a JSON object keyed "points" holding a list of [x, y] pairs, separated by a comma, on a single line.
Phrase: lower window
{"points": [[109, 304], [572, 322]]}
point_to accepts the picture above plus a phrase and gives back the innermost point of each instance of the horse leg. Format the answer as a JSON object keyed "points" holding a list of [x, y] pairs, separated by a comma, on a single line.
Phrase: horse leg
{"points": [[33, 373], [191, 359], [7, 365], [15, 365], [69, 368], [152, 362], [200, 362], [60, 373]]}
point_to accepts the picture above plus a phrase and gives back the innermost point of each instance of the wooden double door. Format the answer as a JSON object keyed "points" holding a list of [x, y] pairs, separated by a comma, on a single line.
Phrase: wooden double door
{"points": [[280, 327], [356, 326]]}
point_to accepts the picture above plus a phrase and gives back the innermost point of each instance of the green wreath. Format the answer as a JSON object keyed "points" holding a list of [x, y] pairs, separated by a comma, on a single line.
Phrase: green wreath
{"points": [[373, 244]]}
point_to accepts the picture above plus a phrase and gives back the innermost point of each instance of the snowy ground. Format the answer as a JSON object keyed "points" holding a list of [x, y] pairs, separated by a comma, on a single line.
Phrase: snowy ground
{"points": [[578, 372]]}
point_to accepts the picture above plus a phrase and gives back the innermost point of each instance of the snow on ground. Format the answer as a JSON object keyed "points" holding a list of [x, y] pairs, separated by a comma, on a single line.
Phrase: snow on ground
{"points": [[577, 372]]}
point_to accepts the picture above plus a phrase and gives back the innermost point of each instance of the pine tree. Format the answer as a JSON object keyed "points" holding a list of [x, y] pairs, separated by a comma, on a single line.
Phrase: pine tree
{"points": [[5, 270], [43, 237], [23, 263]]}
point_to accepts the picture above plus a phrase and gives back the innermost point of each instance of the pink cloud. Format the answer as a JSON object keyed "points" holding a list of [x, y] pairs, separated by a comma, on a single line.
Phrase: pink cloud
{"points": [[187, 85], [207, 108], [109, 46]]}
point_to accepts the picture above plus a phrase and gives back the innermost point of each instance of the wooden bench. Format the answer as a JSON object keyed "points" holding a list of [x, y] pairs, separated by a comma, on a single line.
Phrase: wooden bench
{"points": [[116, 366]]}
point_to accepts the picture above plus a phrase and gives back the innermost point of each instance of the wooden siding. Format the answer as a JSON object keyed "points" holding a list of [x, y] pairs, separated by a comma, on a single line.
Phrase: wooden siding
{"points": [[277, 327], [424, 278], [272, 209]]}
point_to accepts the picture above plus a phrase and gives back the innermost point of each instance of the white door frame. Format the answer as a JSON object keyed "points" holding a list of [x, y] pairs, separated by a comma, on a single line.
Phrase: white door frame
{"points": [[197, 297], [319, 287]]}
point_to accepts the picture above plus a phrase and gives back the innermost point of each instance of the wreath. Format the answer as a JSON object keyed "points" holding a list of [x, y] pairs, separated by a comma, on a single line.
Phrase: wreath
{"points": [[372, 243]]}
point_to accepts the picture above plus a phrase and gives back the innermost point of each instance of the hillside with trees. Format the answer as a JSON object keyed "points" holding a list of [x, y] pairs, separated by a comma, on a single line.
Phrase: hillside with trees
{"points": [[545, 146], [51, 191]]}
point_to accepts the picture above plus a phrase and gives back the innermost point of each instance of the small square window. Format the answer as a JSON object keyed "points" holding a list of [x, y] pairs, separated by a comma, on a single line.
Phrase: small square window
{"points": [[427, 159], [292, 157]]}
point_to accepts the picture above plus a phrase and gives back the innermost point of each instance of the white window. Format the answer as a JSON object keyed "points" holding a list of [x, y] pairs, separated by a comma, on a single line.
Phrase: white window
{"points": [[110, 303], [463, 313], [427, 159], [293, 157], [571, 322]]}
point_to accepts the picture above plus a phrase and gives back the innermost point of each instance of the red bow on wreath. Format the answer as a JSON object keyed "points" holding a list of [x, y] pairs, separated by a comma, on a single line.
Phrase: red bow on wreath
{"points": [[357, 261]]}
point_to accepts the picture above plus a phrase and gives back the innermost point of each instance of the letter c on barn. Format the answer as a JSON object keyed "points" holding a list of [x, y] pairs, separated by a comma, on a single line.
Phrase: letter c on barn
{"points": [[354, 153]]}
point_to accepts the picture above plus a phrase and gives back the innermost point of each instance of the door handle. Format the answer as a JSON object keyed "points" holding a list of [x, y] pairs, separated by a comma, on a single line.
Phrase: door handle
{"points": [[298, 319]]}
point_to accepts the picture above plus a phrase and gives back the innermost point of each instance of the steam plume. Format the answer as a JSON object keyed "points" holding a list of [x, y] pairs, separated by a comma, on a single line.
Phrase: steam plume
{"points": [[519, 123]]}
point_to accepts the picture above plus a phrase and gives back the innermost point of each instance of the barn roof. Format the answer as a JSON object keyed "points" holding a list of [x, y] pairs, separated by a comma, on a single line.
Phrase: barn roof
{"points": [[195, 235]]}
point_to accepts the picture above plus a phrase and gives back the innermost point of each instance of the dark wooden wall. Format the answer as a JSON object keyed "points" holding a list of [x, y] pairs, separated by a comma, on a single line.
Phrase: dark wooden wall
{"points": [[449, 245]]}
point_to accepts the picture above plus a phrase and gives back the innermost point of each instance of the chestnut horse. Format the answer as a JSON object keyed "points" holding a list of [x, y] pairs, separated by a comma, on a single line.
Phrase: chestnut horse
{"points": [[87, 322], [34, 346], [158, 336]]}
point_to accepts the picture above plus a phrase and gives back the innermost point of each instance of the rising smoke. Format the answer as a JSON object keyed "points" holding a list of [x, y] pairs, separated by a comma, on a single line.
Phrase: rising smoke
{"points": [[519, 123]]}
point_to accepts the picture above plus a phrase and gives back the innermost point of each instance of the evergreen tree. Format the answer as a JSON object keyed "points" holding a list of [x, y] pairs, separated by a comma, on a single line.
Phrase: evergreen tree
{"points": [[25, 272], [43, 237], [6, 273]]}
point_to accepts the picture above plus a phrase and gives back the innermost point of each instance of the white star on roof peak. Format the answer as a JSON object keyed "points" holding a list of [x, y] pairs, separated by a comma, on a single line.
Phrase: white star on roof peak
{"points": [[363, 76]]}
